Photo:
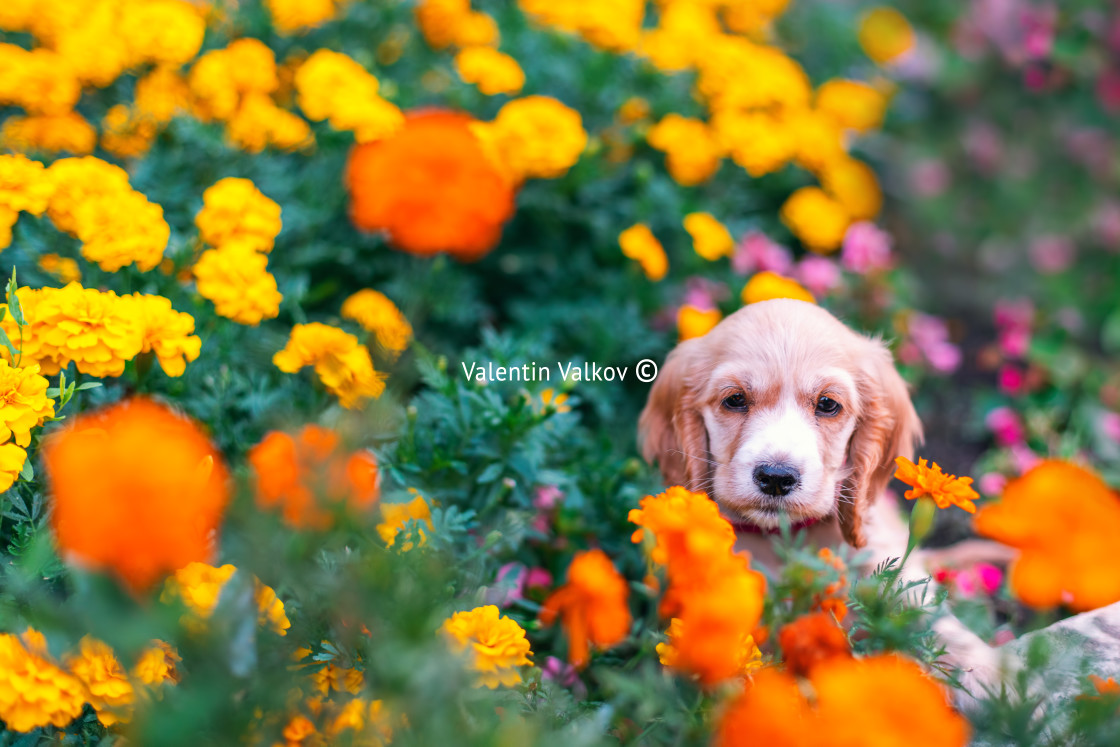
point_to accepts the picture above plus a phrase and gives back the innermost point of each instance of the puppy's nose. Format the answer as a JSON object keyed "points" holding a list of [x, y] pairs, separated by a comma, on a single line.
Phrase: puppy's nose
{"points": [[776, 479]]}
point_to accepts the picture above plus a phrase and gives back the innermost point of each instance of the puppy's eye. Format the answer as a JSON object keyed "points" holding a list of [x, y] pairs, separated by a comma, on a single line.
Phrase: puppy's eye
{"points": [[736, 402], [827, 406]]}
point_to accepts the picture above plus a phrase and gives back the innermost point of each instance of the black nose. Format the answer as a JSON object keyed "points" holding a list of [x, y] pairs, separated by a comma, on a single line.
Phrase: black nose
{"points": [[776, 479]]}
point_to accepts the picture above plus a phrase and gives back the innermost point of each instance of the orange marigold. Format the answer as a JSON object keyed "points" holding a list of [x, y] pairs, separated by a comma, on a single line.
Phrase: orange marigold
{"points": [[811, 639], [138, 490], [431, 187], [294, 471], [592, 605], [497, 644], [1040, 513], [771, 711], [926, 480]]}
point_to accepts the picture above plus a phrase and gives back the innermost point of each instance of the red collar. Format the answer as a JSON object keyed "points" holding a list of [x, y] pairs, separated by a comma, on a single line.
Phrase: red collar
{"points": [[742, 526]]}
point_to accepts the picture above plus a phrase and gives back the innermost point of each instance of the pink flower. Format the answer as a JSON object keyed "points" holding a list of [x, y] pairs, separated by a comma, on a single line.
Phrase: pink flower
{"points": [[563, 674], [1108, 89], [538, 578], [1006, 426], [866, 247], [930, 177], [990, 577], [704, 294], [547, 497], [819, 275], [509, 585], [992, 483], [1110, 426], [931, 336], [1023, 457], [1013, 321], [1011, 379], [982, 578], [983, 144], [1051, 254], [756, 252], [1106, 223]]}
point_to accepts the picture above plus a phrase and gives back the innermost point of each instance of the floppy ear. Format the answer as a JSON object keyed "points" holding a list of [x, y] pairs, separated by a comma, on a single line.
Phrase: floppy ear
{"points": [[670, 429], [888, 427]]}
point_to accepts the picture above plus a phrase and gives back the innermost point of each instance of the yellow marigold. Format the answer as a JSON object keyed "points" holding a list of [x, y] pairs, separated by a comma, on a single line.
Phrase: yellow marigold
{"points": [[49, 133], [332, 86], [296, 731], [738, 74], [693, 322], [639, 244], [885, 34], [63, 268], [294, 16], [341, 362], [200, 586], [165, 332], [236, 280], [162, 31], [259, 123], [818, 139], [815, 218], [234, 209], [1039, 514], [110, 692], [122, 229], [40, 81], [25, 185], [710, 238], [78, 181], [395, 515], [497, 645], [633, 109], [446, 23], [18, 15], [692, 153], [855, 186], [24, 403], [852, 104], [764, 286], [379, 316], [492, 71], [92, 328], [161, 95], [681, 37], [157, 664], [125, 135], [925, 480], [221, 77], [536, 137], [12, 459], [759, 141], [359, 716], [752, 17], [748, 657], [35, 692], [613, 25]]}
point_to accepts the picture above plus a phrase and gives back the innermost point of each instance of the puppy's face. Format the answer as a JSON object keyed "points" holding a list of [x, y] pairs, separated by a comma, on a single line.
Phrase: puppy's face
{"points": [[781, 409], [778, 443]]}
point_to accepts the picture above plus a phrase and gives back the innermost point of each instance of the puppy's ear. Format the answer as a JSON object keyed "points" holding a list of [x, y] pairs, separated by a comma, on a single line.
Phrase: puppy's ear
{"points": [[670, 429], [888, 427]]}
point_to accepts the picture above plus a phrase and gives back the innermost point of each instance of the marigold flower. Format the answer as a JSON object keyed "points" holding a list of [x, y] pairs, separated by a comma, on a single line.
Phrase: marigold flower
{"points": [[497, 645], [78, 181], [1038, 514], [162, 31], [736, 73], [764, 286], [810, 640], [40, 81], [109, 690], [25, 185], [818, 138], [49, 133], [379, 316], [165, 332], [885, 34], [692, 152], [492, 71], [592, 606], [235, 279], [91, 328], [855, 186], [338, 679], [294, 471], [221, 77], [817, 219], [682, 34], [24, 403], [454, 199], [693, 322], [200, 586], [639, 244], [770, 711], [446, 23], [12, 459], [122, 229], [945, 490], [854, 105], [395, 515], [333, 86], [342, 364], [535, 137], [35, 692], [234, 209], [688, 530], [612, 25], [137, 490], [294, 16], [259, 123], [759, 141], [748, 657], [710, 238], [161, 95], [157, 664]]}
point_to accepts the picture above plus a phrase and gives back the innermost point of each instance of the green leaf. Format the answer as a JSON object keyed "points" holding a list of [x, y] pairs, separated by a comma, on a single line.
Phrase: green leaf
{"points": [[13, 301], [28, 471], [8, 344], [88, 385]]}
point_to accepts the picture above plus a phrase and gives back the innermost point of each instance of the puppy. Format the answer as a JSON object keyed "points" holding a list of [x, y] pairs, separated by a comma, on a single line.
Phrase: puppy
{"points": [[781, 409]]}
